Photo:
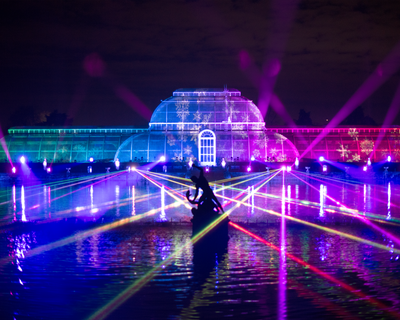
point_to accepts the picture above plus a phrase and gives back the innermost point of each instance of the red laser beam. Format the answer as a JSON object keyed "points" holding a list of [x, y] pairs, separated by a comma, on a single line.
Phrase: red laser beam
{"points": [[319, 272]]}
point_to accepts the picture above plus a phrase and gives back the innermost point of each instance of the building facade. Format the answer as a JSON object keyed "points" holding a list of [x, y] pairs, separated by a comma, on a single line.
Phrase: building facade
{"points": [[207, 125]]}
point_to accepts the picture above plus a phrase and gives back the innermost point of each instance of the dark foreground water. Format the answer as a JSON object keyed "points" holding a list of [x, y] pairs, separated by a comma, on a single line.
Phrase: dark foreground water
{"points": [[60, 258]]}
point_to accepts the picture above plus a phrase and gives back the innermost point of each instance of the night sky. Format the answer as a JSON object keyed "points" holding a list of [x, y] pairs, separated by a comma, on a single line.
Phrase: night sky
{"points": [[75, 56]]}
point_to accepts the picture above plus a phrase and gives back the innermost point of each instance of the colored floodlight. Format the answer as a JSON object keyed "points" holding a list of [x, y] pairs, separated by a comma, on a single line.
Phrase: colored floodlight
{"points": [[365, 168], [283, 168], [248, 169], [288, 168], [190, 163], [207, 169], [91, 159], [389, 158], [48, 170], [162, 158], [223, 163], [44, 163], [369, 162], [296, 163], [324, 168], [22, 159], [14, 170], [117, 164], [321, 158], [252, 158]]}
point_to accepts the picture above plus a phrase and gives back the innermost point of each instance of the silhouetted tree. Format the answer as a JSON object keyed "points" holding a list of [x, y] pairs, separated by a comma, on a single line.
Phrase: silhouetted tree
{"points": [[273, 119], [357, 118], [304, 118], [56, 119], [28, 116]]}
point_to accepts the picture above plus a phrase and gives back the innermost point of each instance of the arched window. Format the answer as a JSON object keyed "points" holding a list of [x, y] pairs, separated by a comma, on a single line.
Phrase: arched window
{"points": [[207, 148]]}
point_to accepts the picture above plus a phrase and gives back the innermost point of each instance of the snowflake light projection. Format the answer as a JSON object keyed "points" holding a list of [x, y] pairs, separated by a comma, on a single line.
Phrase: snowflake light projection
{"points": [[238, 146], [273, 152], [231, 111], [194, 133], [171, 140], [187, 150], [280, 139], [353, 133], [262, 140], [343, 150], [182, 109], [356, 158], [367, 146], [206, 119], [243, 134], [256, 153], [197, 116], [245, 118], [384, 153], [182, 136]]}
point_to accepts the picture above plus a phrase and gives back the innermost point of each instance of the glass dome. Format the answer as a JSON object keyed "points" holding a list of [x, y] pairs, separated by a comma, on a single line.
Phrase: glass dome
{"points": [[208, 125], [199, 109]]}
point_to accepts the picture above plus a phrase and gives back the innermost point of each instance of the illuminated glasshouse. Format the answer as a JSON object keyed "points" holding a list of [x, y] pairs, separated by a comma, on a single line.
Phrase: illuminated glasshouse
{"points": [[208, 125], [204, 124]]}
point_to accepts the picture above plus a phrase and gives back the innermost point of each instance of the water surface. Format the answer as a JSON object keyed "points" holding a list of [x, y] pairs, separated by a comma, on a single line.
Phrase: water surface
{"points": [[75, 277]]}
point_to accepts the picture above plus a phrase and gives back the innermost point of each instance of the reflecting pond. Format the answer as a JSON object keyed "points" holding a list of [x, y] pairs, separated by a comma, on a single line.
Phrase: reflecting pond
{"points": [[304, 247]]}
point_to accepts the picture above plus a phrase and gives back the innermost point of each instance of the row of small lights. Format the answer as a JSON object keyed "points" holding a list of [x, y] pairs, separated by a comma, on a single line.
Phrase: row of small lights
{"points": [[22, 160]]}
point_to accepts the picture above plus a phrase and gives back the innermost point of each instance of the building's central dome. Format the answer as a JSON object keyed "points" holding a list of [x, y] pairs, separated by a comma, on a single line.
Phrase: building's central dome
{"points": [[208, 125], [194, 109]]}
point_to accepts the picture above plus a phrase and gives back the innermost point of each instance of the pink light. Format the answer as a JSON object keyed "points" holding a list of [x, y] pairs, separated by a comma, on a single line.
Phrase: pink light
{"points": [[14, 170], [4, 145], [362, 218], [48, 170], [316, 270], [248, 169], [383, 71], [133, 101], [244, 60], [280, 109], [94, 65], [390, 116]]}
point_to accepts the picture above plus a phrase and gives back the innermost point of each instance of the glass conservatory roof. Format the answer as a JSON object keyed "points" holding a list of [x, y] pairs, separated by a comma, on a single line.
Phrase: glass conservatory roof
{"points": [[206, 92], [192, 109]]}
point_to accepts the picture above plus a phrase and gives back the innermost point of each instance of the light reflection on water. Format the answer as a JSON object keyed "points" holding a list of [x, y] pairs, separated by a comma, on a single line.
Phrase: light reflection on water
{"points": [[250, 281]]}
